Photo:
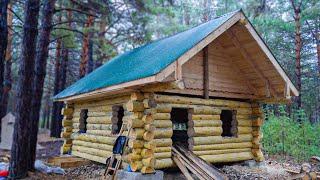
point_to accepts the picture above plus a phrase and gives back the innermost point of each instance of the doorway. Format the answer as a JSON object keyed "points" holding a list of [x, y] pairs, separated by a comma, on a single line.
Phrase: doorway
{"points": [[179, 118]]}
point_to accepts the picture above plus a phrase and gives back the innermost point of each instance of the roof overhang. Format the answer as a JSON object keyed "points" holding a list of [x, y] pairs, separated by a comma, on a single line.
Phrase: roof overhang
{"points": [[176, 66]]}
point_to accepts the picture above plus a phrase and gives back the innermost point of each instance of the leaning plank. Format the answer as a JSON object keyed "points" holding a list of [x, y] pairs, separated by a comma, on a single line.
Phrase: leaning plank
{"points": [[183, 169], [209, 170]]}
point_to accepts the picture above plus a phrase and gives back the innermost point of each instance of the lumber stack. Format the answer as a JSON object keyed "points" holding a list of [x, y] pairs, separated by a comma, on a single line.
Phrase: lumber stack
{"points": [[67, 112], [186, 160], [96, 144], [257, 122], [205, 127], [140, 120]]}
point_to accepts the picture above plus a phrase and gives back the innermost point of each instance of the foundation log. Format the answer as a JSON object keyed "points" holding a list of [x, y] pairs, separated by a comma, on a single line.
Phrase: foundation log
{"points": [[222, 146], [92, 151], [90, 157], [219, 139], [100, 146], [230, 157], [163, 155], [224, 151], [94, 138], [164, 163]]}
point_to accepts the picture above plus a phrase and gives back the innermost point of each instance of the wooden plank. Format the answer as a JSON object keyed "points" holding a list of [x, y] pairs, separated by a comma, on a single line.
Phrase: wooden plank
{"points": [[205, 73], [183, 169], [201, 165], [251, 87], [115, 88], [255, 67]]}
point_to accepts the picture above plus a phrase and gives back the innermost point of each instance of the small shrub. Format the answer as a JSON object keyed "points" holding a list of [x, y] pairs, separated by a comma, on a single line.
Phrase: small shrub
{"points": [[283, 135]]}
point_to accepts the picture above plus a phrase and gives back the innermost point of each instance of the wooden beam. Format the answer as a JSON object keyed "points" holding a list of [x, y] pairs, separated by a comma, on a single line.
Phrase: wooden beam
{"points": [[108, 90], [250, 61], [268, 53], [178, 71], [205, 73]]}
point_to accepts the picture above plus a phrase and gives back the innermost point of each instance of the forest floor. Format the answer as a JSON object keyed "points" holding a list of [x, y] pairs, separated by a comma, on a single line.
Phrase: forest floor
{"points": [[272, 168]]}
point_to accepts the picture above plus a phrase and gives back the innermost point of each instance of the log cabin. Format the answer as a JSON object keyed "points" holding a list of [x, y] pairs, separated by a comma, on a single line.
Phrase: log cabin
{"points": [[202, 88]]}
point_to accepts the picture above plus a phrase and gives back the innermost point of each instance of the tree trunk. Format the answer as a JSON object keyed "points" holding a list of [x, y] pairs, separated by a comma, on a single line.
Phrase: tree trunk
{"points": [[20, 148], [62, 84], [318, 52], [101, 50], [56, 90], [298, 44], [40, 74], [85, 48], [90, 54], [3, 46]]}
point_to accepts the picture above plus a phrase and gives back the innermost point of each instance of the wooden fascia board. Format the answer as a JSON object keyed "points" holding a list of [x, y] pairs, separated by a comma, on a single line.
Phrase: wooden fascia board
{"points": [[143, 81], [269, 54], [197, 48]]}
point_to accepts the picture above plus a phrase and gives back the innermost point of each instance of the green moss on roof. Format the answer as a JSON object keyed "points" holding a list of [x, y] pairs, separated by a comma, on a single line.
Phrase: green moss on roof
{"points": [[144, 61]]}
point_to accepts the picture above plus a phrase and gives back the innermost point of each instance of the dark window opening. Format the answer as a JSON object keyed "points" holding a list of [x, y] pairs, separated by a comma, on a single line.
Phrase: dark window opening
{"points": [[116, 127], [83, 121], [179, 118], [229, 123]]}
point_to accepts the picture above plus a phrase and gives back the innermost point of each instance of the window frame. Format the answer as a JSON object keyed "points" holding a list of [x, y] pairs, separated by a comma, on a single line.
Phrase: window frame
{"points": [[233, 128]]}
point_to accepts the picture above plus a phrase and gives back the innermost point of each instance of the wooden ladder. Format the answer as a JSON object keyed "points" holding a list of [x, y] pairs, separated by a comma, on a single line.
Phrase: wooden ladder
{"points": [[113, 167]]}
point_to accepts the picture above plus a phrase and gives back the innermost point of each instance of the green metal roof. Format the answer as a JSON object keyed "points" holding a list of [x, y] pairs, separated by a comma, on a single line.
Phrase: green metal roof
{"points": [[144, 61]]}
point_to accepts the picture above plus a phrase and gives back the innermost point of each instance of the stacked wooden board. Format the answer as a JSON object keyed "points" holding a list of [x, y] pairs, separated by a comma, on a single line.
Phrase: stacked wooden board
{"points": [[186, 160]]}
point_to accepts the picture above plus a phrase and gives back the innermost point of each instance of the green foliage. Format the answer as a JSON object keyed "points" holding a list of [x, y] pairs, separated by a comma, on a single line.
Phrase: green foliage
{"points": [[284, 135]]}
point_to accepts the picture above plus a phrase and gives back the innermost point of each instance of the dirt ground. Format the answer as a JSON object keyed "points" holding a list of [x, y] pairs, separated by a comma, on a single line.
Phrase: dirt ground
{"points": [[272, 168]]}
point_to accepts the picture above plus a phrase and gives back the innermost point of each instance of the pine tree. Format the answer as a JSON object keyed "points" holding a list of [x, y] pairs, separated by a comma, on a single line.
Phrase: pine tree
{"points": [[20, 148], [40, 73]]}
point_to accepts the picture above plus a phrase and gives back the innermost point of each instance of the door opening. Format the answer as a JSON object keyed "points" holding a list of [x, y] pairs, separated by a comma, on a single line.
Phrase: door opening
{"points": [[179, 118]]}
